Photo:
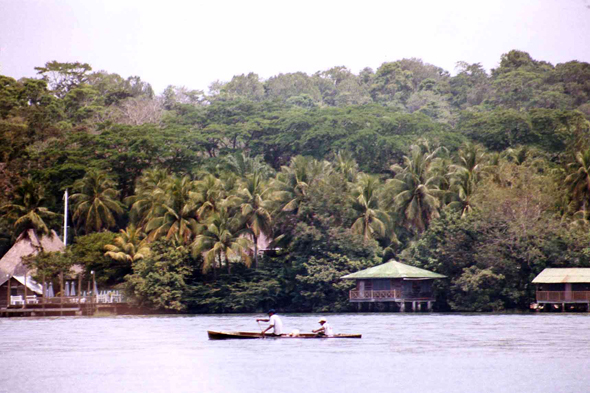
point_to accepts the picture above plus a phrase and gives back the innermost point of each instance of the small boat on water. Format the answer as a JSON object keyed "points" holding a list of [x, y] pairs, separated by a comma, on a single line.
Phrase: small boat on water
{"points": [[213, 335]]}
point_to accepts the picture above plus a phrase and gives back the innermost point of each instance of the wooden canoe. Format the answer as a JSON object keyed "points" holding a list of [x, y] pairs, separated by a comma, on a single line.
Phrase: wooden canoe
{"points": [[214, 335]]}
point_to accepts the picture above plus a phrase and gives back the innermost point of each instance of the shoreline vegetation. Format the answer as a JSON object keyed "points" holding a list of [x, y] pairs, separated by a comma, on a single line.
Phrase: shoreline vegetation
{"points": [[261, 194]]}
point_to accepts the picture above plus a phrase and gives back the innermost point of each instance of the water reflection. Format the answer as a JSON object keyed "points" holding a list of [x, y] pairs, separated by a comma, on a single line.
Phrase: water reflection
{"points": [[398, 352]]}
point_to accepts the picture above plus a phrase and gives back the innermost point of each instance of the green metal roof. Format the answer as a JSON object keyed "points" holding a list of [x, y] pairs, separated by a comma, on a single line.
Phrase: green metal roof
{"points": [[392, 269], [563, 275]]}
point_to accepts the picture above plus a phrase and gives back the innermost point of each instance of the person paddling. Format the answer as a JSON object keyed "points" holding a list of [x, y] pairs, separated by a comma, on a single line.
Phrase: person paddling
{"points": [[275, 323], [325, 330]]}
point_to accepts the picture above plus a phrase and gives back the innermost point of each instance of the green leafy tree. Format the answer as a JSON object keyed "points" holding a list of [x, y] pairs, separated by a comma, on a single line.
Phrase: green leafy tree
{"points": [[209, 192], [413, 191], [461, 189], [292, 182], [244, 86], [149, 196], [243, 164], [470, 87], [96, 204], [222, 240], [254, 205], [159, 280], [63, 77], [88, 251], [176, 216], [128, 246], [578, 181], [26, 211], [345, 164], [392, 84], [371, 222]]}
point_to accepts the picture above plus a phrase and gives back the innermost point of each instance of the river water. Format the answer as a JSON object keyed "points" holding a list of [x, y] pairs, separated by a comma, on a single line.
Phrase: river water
{"points": [[398, 353]]}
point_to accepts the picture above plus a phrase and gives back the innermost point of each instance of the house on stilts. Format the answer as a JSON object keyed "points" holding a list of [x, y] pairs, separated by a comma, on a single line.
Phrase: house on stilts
{"points": [[563, 289], [394, 283]]}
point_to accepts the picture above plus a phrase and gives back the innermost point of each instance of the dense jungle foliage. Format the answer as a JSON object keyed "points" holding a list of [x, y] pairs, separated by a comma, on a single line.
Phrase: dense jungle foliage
{"points": [[263, 193]]}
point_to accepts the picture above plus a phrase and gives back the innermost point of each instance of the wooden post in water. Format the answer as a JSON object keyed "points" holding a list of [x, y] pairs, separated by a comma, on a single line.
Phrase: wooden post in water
{"points": [[25, 302], [44, 294], [94, 294], [80, 290], [61, 293], [8, 293]]}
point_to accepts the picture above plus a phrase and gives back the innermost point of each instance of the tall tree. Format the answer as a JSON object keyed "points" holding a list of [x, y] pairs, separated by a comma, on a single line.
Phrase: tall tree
{"points": [[242, 164], [254, 202], [96, 204], [292, 182], [413, 191], [26, 211], [149, 196], [63, 77], [371, 222], [578, 181], [345, 164], [222, 241], [176, 217]]}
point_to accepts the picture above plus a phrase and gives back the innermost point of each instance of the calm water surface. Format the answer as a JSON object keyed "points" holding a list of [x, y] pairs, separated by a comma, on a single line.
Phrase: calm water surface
{"points": [[398, 353]]}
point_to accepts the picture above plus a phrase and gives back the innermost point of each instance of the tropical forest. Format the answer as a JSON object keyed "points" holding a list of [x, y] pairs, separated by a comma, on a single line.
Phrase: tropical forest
{"points": [[262, 193]]}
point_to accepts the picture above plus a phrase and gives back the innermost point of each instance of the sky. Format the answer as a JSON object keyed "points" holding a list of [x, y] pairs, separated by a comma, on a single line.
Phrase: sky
{"points": [[194, 43]]}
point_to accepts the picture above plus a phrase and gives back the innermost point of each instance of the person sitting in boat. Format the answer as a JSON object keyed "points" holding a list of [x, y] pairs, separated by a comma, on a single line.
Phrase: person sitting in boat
{"points": [[275, 323], [325, 330]]}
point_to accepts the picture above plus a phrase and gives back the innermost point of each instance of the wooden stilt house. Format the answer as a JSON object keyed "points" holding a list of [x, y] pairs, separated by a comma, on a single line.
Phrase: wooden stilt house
{"points": [[406, 286], [563, 288]]}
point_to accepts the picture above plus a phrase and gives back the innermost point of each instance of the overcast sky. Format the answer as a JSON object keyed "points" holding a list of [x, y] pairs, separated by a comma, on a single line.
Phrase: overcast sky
{"points": [[193, 43]]}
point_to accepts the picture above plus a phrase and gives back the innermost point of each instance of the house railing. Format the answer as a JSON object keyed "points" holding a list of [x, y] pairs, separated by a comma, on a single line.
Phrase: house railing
{"points": [[387, 294], [375, 294], [563, 296], [108, 296]]}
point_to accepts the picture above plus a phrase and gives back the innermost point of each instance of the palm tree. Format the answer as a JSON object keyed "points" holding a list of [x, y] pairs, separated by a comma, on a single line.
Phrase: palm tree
{"points": [[95, 204], [243, 165], [253, 203], [519, 155], [462, 188], [371, 221], [26, 211], [414, 189], [464, 176], [578, 181], [345, 164], [209, 191], [130, 246], [149, 196], [472, 158], [222, 240], [443, 169], [177, 214], [292, 182]]}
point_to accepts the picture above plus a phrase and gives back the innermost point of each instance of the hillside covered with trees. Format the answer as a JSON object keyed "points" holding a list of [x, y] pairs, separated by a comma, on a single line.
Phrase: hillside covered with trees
{"points": [[483, 177]]}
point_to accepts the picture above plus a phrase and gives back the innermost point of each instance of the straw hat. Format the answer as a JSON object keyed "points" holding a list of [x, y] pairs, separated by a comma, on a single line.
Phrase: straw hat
{"points": [[322, 320]]}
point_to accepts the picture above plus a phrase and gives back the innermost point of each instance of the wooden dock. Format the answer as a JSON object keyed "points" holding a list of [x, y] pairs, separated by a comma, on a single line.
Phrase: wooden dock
{"points": [[65, 307]]}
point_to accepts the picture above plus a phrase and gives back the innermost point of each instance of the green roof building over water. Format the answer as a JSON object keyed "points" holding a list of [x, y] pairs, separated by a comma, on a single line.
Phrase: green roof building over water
{"points": [[393, 269], [564, 275]]}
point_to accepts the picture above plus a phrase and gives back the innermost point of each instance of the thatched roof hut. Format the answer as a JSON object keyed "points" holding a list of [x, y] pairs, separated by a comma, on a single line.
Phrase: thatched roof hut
{"points": [[27, 244], [32, 285]]}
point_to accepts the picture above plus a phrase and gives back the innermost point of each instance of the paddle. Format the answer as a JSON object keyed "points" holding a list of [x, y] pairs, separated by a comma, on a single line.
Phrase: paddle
{"points": [[261, 330]]}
